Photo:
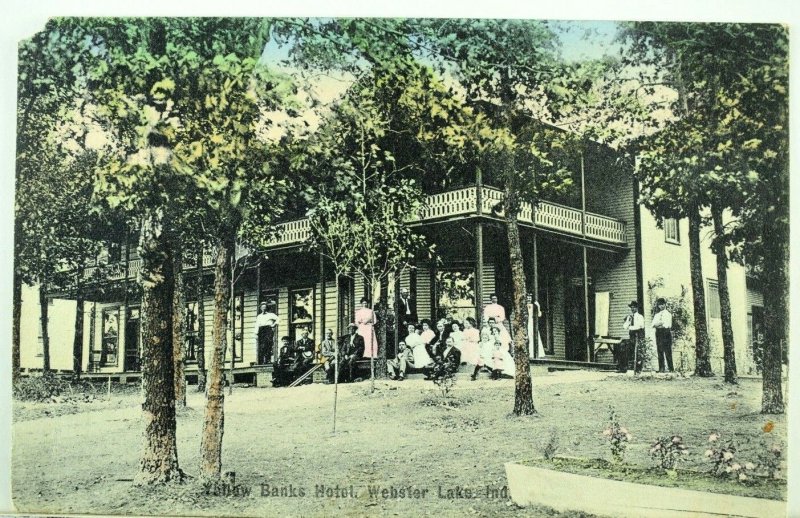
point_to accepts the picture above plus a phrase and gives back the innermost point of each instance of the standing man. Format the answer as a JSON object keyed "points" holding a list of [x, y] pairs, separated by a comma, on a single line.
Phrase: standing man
{"points": [[662, 323], [634, 326], [264, 333], [406, 309]]}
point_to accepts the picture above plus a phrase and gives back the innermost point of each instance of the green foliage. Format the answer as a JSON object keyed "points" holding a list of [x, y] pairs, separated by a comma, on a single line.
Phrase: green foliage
{"points": [[668, 451], [617, 436], [677, 305]]}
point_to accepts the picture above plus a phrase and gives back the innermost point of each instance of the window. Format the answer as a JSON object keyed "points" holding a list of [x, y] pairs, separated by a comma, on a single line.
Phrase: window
{"points": [[192, 327], [238, 325], [713, 299], [110, 343], [455, 293], [301, 311], [672, 231]]}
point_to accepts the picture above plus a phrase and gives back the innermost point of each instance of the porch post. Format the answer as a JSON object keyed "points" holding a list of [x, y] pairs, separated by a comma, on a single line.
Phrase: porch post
{"points": [[258, 282], [323, 302], [534, 300], [478, 246], [586, 305], [585, 263]]}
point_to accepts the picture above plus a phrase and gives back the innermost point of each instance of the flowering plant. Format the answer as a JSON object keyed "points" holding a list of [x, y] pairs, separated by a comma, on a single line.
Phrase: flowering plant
{"points": [[618, 436], [723, 459], [667, 451]]}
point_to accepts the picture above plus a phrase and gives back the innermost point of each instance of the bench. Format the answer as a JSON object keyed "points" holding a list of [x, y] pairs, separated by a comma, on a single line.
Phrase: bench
{"points": [[608, 342]]}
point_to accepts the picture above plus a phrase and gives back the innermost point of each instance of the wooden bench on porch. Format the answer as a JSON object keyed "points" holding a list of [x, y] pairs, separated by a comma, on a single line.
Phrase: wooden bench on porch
{"points": [[608, 342]]}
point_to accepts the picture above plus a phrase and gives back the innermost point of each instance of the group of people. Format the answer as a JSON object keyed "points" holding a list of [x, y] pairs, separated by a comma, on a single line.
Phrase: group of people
{"points": [[441, 351], [437, 351], [633, 344]]}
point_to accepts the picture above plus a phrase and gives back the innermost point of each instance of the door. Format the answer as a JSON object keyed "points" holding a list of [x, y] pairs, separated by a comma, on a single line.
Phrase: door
{"points": [[132, 344], [575, 319]]}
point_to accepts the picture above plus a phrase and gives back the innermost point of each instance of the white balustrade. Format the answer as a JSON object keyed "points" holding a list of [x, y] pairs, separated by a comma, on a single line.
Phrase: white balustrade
{"points": [[460, 202], [447, 204]]}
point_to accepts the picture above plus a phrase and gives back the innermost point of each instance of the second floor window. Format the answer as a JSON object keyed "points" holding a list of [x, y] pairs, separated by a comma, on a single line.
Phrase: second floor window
{"points": [[672, 231], [713, 299]]}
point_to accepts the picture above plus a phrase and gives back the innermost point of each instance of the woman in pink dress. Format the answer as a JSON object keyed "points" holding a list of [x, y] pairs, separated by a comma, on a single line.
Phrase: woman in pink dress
{"points": [[365, 319]]}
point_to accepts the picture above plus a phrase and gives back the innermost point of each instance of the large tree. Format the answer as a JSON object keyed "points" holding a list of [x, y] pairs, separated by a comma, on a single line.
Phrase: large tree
{"points": [[512, 78], [181, 99], [732, 134]]}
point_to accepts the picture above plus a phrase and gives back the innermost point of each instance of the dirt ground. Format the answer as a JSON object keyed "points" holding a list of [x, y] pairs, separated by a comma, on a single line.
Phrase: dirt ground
{"points": [[82, 460]]}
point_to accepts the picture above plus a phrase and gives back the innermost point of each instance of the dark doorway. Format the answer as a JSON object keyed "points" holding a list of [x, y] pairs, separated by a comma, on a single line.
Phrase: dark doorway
{"points": [[575, 319], [132, 358]]}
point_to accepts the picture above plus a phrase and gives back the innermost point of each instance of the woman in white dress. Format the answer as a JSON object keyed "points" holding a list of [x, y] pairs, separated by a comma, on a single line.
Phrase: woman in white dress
{"points": [[534, 309], [456, 335], [365, 318], [414, 342]]}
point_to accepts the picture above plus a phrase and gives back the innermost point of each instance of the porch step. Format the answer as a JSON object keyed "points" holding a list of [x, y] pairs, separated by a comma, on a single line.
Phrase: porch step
{"points": [[564, 365]]}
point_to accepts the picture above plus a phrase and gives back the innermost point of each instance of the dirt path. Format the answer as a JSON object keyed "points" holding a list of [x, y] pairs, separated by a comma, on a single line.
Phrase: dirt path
{"points": [[397, 438]]}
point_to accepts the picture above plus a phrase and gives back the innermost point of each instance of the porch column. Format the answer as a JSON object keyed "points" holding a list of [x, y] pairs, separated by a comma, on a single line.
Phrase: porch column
{"points": [[323, 302], [478, 271], [586, 306], [585, 263], [478, 246], [535, 316]]}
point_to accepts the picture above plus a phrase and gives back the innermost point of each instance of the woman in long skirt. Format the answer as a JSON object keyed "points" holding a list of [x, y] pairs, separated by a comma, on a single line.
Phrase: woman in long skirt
{"points": [[470, 345], [365, 320]]}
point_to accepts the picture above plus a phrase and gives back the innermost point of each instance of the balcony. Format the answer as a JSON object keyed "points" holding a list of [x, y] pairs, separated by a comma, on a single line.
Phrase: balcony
{"points": [[438, 207], [464, 202]]}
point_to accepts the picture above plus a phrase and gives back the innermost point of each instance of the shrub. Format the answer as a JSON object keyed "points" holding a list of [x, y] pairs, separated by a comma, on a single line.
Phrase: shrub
{"points": [[668, 451], [617, 436], [444, 377], [550, 447], [724, 462]]}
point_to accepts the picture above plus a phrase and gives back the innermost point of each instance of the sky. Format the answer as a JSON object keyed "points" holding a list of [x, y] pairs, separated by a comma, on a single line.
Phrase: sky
{"points": [[22, 18]]}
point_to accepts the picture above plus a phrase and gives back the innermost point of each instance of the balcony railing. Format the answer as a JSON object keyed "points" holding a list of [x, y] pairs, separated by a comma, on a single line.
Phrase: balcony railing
{"points": [[460, 202], [464, 202]]}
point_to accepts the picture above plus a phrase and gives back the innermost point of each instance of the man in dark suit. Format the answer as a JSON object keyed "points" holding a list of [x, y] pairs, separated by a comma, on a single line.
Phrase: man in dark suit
{"points": [[283, 368], [447, 363], [351, 349], [406, 309], [304, 354]]}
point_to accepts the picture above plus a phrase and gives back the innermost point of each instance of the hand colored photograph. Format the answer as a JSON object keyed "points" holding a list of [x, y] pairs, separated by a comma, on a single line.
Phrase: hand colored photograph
{"points": [[400, 266]]}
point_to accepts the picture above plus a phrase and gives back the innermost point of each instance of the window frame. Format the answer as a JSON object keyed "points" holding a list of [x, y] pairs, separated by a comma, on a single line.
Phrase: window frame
{"points": [[669, 224]]}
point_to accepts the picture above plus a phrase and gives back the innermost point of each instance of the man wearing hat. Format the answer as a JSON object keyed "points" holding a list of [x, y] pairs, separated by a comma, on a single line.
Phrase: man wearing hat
{"points": [[634, 326], [662, 323]]}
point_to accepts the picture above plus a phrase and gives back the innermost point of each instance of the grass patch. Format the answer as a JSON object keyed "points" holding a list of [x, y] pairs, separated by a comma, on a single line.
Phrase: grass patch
{"points": [[680, 478]]}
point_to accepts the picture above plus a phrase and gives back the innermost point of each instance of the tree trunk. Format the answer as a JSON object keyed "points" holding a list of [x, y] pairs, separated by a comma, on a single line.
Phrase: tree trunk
{"points": [[729, 352], [45, 319], [523, 387], [200, 349], [776, 317], [213, 425], [77, 342], [15, 331], [159, 461], [702, 364], [178, 308]]}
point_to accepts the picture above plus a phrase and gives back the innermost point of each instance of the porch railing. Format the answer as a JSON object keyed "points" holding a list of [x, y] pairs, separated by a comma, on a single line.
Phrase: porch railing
{"points": [[459, 202]]}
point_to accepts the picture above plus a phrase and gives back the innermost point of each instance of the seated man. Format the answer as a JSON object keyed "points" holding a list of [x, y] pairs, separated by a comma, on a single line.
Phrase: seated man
{"points": [[397, 367], [351, 349], [304, 355], [447, 363], [327, 352], [283, 367]]}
